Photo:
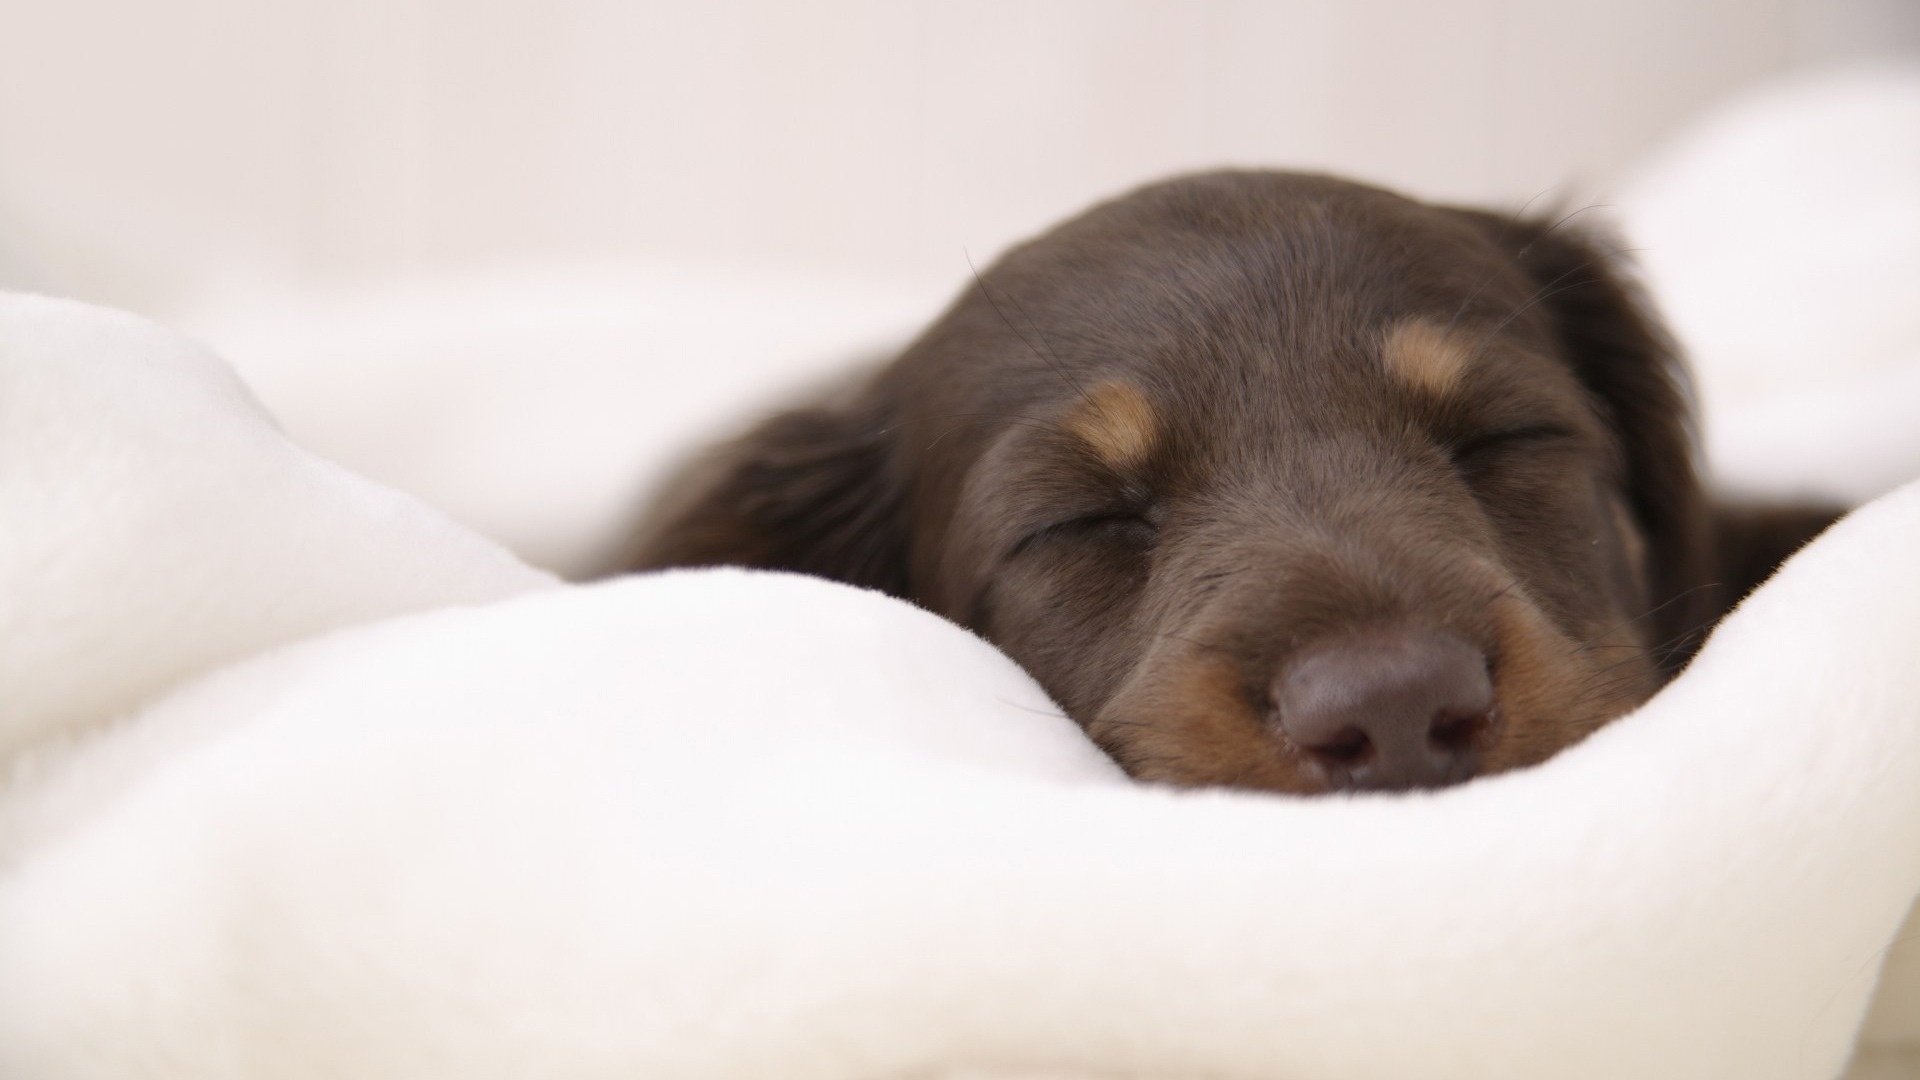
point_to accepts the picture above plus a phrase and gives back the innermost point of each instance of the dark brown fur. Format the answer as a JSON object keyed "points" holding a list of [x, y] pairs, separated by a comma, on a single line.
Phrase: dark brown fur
{"points": [[1155, 560]]}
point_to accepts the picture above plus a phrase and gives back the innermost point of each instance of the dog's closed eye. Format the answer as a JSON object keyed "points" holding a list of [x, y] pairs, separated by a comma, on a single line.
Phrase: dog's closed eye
{"points": [[1480, 448], [1129, 528]]}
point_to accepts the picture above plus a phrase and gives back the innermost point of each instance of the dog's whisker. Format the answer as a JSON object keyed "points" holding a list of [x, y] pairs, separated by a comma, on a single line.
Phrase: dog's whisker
{"points": [[1115, 721], [1055, 714], [1201, 645], [1010, 417], [966, 419], [1046, 356], [1549, 290], [1507, 227], [1683, 594]]}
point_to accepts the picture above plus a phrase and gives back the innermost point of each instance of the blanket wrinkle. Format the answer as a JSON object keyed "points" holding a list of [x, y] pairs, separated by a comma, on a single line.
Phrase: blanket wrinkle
{"points": [[159, 524]]}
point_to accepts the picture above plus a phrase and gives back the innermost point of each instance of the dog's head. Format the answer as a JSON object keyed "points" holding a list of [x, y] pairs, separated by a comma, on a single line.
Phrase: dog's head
{"points": [[1271, 480]]}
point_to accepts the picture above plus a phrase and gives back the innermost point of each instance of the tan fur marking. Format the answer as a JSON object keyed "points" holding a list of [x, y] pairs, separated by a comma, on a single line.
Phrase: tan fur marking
{"points": [[1117, 424], [1552, 691], [1186, 721], [1425, 355]]}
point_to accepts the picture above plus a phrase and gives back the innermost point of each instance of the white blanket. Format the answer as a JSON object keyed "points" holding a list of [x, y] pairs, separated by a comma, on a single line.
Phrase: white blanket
{"points": [[742, 825], [300, 779]]}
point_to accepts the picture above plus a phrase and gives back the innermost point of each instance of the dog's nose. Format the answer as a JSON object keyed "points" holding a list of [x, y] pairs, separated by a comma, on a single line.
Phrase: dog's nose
{"points": [[1389, 709]]}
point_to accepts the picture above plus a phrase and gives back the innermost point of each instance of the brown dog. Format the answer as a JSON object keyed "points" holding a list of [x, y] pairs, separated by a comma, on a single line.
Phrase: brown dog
{"points": [[1273, 481]]}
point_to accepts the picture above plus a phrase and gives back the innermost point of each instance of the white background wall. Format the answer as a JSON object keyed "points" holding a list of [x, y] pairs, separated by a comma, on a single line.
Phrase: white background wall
{"points": [[150, 148]]}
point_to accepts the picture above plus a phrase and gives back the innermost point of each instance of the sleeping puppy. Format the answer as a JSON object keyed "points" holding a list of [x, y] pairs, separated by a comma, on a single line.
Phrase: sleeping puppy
{"points": [[1273, 481]]}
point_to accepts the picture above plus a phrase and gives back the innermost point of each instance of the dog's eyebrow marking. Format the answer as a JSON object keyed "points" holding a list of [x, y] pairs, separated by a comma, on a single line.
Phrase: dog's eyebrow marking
{"points": [[1425, 355], [1117, 423]]}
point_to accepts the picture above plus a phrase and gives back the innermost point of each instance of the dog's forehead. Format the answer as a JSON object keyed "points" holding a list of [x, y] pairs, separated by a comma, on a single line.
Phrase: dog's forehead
{"points": [[1232, 311], [1309, 291], [1364, 325]]}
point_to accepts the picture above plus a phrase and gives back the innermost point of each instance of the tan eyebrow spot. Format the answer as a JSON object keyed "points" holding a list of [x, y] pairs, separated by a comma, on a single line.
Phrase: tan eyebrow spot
{"points": [[1117, 423], [1425, 356]]}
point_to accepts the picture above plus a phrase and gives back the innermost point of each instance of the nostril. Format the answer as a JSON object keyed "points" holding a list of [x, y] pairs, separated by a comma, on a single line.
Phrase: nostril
{"points": [[1456, 732], [1349, 746]]}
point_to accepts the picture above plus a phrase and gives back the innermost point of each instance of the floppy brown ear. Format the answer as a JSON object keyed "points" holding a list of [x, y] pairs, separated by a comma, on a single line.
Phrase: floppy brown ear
{"points": [[1752, 539], [811, 490], [1623, 354]]}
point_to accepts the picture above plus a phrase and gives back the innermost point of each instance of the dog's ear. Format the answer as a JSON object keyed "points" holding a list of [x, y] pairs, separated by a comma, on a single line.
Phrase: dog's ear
{"points": [[812, 490], [1752, 539], [1621, 352]]}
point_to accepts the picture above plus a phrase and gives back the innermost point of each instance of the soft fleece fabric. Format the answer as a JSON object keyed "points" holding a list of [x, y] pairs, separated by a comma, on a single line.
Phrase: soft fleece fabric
{"points": [[745, 825]]}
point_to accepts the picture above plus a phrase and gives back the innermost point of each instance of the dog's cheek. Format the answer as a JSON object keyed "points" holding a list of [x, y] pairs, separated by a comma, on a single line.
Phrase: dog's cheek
{"points": [[1557, 539], [1627, 563], [1066, 617], [1185, 718], [1555, 690]]}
